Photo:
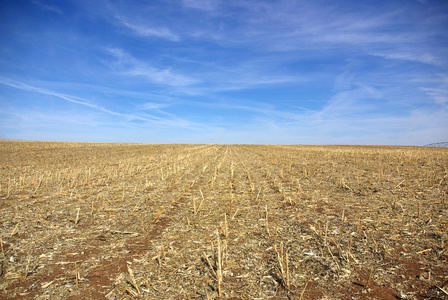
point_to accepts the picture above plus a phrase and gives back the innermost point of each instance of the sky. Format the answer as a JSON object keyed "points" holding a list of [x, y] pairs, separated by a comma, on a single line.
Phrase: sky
{"points": [[224, 71]]}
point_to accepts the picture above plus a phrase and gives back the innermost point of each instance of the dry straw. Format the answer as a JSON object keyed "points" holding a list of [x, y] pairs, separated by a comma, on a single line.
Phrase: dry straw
{"points": [[134, 282], [1, 244], [76, 275]]}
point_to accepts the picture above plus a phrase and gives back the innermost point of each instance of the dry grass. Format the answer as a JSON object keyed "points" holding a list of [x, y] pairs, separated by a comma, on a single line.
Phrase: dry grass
{"points": [[147, 221]]}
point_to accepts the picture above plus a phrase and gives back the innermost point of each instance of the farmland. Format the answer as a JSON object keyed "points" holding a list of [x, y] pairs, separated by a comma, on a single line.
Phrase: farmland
{"points": [[124, 221]]}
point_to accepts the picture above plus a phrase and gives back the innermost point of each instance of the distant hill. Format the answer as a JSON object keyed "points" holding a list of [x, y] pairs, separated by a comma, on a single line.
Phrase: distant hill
{"points": [[442, 144]]}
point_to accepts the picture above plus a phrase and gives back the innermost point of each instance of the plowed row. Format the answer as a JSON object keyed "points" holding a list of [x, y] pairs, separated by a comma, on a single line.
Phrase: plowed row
{"points": [[123, 221]]}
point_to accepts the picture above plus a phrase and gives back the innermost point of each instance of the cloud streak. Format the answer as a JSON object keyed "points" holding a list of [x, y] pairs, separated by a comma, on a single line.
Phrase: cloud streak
{"points": [[73, 99], [47, 7], [127, 65], [206, 5], [144, 30], [84, 102]]}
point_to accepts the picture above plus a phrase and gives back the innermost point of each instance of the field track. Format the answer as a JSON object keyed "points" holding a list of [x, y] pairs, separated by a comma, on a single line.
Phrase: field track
{"points": [[152, 221]]}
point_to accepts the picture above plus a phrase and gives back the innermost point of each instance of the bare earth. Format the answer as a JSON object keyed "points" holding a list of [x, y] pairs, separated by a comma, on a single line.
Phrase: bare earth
{"points": [[150, 221]]}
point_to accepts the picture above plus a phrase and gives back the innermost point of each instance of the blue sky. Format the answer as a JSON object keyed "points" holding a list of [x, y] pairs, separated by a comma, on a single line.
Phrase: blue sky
{"points": [[215, 71]]}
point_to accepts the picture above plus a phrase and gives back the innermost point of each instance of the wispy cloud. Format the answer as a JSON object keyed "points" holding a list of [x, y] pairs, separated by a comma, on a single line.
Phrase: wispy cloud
{"points": [[126, 64], [47, 7], [298, 26], [440, 95], [410, 55], [140, 20], [145, 30], [212, 78], [349, 103], [84, 102], [207, 5], [73, 99], [153, 106]]}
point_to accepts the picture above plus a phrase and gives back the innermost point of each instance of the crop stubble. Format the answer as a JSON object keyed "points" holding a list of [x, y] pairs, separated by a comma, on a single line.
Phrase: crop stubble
{"points": [[232, 221]]}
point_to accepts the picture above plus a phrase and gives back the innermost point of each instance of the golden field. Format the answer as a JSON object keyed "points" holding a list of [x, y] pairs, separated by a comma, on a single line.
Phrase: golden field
{"points": [[153, 221]]}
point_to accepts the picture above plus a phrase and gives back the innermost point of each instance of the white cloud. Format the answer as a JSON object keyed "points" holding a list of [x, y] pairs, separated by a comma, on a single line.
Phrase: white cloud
{"points": [[126, 64], [47, 7], [440, 95], [73, 99], [155, 120], [160, 76], [142, 28], [207, 5], [153, 106], [331, 30], [411, 55]]}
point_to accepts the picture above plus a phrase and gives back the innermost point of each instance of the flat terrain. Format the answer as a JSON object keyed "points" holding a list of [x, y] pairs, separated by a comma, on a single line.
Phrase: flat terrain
{"points": [[149, 221]]}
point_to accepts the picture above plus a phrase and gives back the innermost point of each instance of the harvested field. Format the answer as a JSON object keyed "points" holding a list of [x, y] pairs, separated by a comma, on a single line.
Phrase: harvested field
{"points": [[149, 221]]}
